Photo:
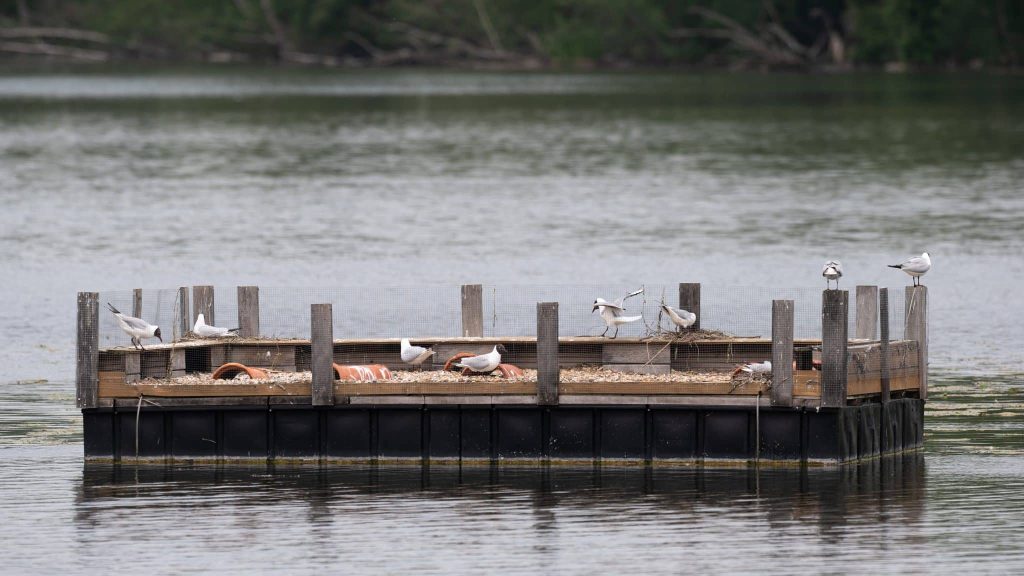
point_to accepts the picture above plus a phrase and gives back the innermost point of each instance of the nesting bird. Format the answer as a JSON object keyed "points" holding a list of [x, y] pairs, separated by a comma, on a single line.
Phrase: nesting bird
{"points": [[832, 270], [137, 328], [753, 368], [915, 266], [414, 355], [679, 317], [485, 362], [611, 312], [204, 330]]}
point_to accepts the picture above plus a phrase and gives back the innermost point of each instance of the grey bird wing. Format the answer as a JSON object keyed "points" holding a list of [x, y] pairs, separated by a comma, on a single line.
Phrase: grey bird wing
{"points": [[834, 264], [475, 362], [915, 264], [622, 300], [412, 352], [135, 323]]}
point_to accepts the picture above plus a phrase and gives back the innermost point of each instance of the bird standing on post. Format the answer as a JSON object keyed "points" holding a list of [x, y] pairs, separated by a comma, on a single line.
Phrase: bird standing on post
{"points": [[916, 266], [137, 328], [611, 312], [832, 270]]}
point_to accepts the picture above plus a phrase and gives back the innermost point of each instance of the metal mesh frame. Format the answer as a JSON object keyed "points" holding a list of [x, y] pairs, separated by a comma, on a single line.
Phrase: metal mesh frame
{"points": [[508, 311]]}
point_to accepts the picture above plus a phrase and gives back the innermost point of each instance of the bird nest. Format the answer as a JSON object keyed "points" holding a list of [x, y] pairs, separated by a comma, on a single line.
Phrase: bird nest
{"points": [[686, 335]]}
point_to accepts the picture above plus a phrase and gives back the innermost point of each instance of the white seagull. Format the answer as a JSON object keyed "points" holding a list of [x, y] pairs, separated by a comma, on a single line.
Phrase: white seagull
{"points": [[832, 270], [484, 362], [753, 368], [204, 330], [916, 266], [611, 312], [679, 317], [137, 328], [414, 355]]}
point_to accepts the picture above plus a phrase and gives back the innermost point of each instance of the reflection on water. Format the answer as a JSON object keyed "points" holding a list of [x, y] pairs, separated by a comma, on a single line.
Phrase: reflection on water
{"points": [[576, 519]]}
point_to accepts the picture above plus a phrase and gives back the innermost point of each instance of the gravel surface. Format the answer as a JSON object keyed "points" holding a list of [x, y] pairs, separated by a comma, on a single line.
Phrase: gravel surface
{"points": [[581, 374]]}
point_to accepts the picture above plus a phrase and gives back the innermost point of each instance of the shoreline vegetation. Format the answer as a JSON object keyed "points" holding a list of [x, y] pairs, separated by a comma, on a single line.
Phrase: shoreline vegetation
{"points": [[793, 35]]}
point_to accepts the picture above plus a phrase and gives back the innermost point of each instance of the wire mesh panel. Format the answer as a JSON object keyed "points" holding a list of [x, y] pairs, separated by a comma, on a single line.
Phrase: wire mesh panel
{"points": [[613, 339], [371, 312], [512, 310], [897, 313], [507, 311]]}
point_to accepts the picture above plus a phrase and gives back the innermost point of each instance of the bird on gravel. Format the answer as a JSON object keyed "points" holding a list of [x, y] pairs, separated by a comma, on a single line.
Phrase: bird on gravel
{"points": [[415, 355], [484, 362]]}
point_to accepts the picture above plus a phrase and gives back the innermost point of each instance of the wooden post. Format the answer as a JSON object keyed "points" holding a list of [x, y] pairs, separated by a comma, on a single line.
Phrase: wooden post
{"points": [[137, 303], [248, 311], [87, 367], [321, 332], [689, 300], [835, 305], [547, 353], [202, 301], [184, 316], [883, 321], [782, 352], [917, 329], [473, 310], [867, 313]]}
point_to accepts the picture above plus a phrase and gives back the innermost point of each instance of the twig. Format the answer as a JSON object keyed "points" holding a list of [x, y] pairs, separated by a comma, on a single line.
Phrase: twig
{"points": [[44, 49], [485, 23], [58, 33]]}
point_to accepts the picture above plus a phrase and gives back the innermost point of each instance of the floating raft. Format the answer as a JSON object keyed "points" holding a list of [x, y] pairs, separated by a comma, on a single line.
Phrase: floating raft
{"points": [[579, 399]]}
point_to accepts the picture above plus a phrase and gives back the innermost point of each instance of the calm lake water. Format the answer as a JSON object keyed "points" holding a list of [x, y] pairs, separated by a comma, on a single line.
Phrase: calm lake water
{"points": [[115, 179]]}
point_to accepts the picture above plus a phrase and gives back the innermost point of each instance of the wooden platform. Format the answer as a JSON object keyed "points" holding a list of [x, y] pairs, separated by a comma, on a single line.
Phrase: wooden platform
{"points": [[833, 400], [128, 373]]}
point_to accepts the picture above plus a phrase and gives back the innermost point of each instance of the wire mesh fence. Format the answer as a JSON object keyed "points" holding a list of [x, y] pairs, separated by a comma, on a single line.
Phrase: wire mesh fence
{"points": [[622, 335], [435, 312]]}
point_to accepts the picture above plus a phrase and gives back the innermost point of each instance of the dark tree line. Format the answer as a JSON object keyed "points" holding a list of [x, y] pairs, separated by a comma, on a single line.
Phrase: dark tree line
{"points": [[798, 34]]}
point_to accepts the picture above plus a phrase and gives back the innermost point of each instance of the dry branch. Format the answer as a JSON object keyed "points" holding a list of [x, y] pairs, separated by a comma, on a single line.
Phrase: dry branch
{"points": [[55, 33], [785, 50], [485, 23], [44, 49]]}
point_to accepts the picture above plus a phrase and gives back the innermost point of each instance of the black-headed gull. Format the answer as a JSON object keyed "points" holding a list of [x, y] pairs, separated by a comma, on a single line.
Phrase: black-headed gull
{"points": [[484, 362], [204, 330], [916, 266], [611, 312], [137, 328], [414, 355], [832, 270], [679, 317]]}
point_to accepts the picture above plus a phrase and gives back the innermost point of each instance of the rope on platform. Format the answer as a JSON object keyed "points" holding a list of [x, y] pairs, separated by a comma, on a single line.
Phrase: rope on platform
{"points": [[757, 427], [138, 412]]}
